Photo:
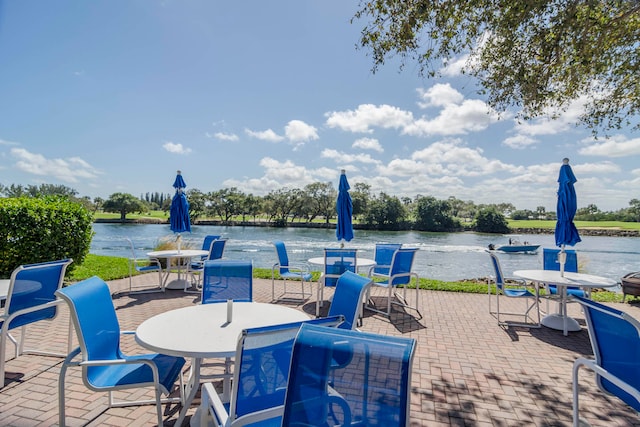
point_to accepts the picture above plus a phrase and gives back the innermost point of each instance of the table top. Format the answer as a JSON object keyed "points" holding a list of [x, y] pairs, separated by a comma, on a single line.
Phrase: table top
{"points": [[4, 289], [569, 279], [360, 262], [202, 331], [184, 253]]}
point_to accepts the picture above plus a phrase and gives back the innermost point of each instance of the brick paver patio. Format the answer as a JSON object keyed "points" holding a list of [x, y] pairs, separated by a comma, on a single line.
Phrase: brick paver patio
{"points": [[467, 370]]}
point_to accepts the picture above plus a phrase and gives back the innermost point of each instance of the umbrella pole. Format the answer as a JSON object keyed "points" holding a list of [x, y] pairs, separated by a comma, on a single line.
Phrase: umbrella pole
{"points": [[179, 240], [562, 259]]}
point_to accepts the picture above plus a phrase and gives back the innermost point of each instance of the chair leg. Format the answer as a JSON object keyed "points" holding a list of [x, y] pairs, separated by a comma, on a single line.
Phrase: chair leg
{"points": [[3, 346]]}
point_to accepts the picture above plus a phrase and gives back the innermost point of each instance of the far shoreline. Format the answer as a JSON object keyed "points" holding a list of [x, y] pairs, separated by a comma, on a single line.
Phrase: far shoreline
{"points": [[590, 231]]}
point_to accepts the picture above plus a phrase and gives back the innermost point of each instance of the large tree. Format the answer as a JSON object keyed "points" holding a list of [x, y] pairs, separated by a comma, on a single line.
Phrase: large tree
{"points": [[123, 203], [536, 55]]}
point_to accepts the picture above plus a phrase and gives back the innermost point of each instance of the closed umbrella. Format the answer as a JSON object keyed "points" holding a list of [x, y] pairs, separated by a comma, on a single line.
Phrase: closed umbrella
{"points": [[179, 214], [344, 209], [566, 231]]}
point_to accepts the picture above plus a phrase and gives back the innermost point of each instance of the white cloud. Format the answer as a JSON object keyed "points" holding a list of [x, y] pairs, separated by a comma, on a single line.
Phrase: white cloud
{"points": [[439, 95], [265, 135], [3, 142], [339, 156], [616, 146], [225, 136], [367, 116], [298, 131], [368, 144], [471, 115], [450, 157], [454, 67], [548, 125], [458, 116], [71, 170], [175, 148], [519, 141]]}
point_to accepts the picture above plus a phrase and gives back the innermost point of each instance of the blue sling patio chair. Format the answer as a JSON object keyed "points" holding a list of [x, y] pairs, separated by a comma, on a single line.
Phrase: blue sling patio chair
{"points": [[336, 262], [521, 291], [550, 262], [370, 387], [383, 257], [30, 299], [225, 280], [615, 339], [289, 271], [143, 265], [348, 298], [263, 357], [399, 274], [216, 251], [104, 366]]}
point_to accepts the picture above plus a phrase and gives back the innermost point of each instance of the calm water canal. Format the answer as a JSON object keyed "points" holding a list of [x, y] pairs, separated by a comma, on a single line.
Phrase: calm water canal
{"points": [[443, 256]]}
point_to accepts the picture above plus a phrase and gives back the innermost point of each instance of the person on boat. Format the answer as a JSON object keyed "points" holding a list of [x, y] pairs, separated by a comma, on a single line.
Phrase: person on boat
{"points": [[491, 247]]}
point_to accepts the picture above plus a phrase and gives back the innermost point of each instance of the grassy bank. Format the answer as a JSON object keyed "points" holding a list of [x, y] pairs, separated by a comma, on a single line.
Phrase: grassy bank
{"points": [[162, 216], [112, 268]]}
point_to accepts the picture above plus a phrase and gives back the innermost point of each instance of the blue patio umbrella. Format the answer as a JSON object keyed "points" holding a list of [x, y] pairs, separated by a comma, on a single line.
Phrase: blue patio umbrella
{"points": [[566, 231], [344, 209], [179, 214]]}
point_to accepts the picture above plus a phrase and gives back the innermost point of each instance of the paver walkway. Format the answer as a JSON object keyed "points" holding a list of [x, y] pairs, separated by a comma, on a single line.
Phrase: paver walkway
{"points": [[467, 370]]}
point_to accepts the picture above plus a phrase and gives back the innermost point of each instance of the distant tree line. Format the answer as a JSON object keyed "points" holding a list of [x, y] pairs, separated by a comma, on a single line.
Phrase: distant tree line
{"points": [[317, 201]]}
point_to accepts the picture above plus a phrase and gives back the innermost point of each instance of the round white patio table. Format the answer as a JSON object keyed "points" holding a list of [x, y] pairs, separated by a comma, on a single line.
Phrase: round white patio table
{"points": [[561, 321], [184, 260], [202, 331], [30, 286], [4, 288]]}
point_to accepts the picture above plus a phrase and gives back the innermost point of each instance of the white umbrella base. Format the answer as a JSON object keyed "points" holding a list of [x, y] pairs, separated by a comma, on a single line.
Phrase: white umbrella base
{"points": [[556, 321]]}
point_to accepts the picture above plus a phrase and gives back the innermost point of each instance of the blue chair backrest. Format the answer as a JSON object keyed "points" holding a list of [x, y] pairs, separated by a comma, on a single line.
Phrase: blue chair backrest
{"points": [[495, 263], [402, 264], [283, 258], [208, 239], [347, 298], [615, 338], [371, 387], [550, 260], [336, 262], [32, 285], [263, 357], [217, 249], [206, 244], [384, 255], [227, 280], [95, 322]]}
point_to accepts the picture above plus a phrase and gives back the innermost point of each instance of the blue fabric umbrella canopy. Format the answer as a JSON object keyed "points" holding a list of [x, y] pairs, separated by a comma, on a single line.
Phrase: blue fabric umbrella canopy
{"points": [[344, 209], [179, 214], [566, 231]]}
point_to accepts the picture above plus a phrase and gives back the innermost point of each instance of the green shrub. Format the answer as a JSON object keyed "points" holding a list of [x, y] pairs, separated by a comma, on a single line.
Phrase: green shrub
{"points": [[42, 229]]}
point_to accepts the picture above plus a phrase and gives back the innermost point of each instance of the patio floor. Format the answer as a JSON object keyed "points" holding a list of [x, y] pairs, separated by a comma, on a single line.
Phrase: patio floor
{"points": [[467, 371]]}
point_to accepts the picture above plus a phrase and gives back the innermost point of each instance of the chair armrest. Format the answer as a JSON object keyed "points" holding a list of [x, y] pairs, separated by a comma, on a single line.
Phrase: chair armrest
{"points": [[210, 403], [7, 319], [304, 268]]}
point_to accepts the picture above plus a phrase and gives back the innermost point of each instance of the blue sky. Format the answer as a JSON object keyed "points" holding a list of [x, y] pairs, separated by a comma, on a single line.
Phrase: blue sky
{"points": [[115, 96]]}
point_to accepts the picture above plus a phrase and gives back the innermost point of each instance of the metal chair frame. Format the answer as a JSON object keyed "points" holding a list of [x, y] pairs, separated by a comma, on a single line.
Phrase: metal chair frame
{"points": [[521, 292]]}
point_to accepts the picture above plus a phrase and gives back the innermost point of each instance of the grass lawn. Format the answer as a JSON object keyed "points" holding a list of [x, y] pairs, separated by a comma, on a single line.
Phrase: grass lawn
{"points": [[111, 268], [617, 225]]}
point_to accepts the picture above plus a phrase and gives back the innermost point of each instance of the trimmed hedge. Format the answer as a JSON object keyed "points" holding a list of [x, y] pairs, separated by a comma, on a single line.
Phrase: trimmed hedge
{"points": [[42, 229]]}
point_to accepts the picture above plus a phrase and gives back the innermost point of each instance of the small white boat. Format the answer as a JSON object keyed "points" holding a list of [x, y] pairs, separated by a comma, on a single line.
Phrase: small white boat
{"points": [[518, 248]]}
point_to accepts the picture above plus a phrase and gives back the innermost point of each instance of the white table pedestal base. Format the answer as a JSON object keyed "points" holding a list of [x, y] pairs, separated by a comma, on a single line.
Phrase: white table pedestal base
{"points": [[556, 321]]}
